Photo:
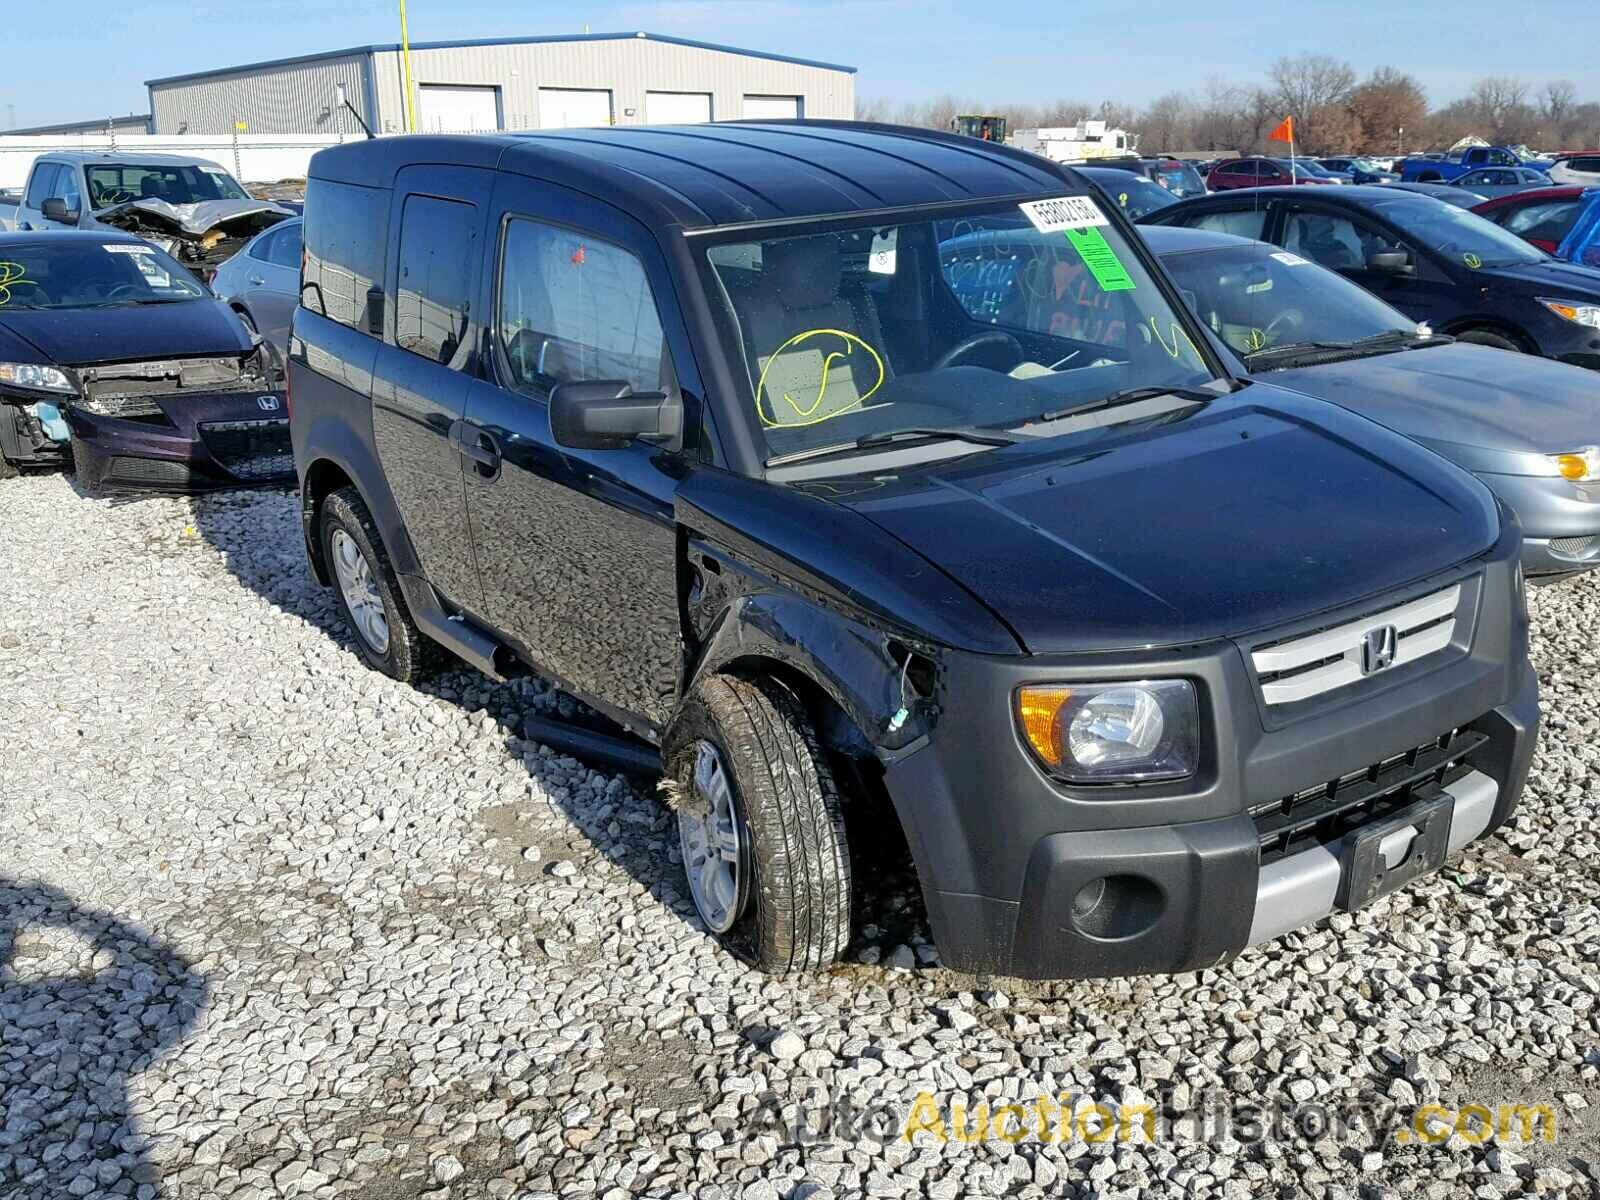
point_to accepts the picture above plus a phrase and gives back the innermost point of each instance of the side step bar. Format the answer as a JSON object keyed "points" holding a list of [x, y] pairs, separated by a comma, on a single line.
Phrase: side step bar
{"points": [[604, 749], [468, 642], [457, 634]]}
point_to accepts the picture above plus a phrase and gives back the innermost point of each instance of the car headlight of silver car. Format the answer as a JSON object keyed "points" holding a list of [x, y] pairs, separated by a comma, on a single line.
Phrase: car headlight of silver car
{"points": [[36, 377], [1135, 732]]}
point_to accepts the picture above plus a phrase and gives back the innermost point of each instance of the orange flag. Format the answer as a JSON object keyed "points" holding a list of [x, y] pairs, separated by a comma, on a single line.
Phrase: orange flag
{"points": [[1284, 132]]}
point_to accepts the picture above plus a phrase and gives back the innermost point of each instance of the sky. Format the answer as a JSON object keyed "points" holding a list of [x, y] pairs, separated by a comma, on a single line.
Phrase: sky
{"points": [[94, 63]]}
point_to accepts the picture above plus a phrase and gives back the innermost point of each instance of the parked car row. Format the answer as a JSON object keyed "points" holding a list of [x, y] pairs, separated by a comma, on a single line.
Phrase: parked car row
{"points": [[1165, 581]]}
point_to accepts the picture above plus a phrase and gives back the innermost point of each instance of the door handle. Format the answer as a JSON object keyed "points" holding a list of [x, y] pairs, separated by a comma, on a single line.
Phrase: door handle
{"points": [[478, 446], [255, 281]]}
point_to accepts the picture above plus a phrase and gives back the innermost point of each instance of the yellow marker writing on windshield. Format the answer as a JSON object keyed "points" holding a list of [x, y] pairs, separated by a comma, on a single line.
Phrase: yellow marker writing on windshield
{"points": [[1472, 260], [12, 273], [1179, 337], [807, 414]]}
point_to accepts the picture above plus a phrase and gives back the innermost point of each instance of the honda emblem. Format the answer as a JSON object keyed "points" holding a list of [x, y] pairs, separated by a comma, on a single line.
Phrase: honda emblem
{"points": [[1378, 649], [267, 403]]}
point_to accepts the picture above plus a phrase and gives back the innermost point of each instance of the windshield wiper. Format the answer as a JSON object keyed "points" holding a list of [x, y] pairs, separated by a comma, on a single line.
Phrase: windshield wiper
{"points": [[1126, 396], [976, 436], [1399, 339]]}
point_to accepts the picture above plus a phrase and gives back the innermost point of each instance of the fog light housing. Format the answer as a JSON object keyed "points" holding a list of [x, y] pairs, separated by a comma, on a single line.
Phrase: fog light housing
{"points": [[1135, 732]]}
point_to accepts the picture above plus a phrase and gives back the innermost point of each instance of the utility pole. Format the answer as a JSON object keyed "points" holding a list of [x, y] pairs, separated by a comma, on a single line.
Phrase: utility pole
{"points": [[405, 53]]}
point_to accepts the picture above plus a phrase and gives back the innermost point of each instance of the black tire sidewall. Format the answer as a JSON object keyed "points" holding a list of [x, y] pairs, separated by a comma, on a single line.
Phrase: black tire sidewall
{"points": [[344, 510], [1490, 338]]}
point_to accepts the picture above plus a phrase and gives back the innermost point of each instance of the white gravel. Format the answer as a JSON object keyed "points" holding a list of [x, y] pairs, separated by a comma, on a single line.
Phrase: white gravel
{"points": [[274, 925]]}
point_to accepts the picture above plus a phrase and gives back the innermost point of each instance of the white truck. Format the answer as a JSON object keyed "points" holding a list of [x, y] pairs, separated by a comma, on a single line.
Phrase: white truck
{"points": [[189, 207]]}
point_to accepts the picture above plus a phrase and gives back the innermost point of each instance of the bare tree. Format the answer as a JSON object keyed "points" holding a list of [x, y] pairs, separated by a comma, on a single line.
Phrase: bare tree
{"points": [[1386, 103], [1314, 90], [1502, 105], [1555, 110], [1168, 124]]}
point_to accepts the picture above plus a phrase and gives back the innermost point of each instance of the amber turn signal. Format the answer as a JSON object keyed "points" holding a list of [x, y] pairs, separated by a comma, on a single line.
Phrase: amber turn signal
{"points": [[1040, 711]]}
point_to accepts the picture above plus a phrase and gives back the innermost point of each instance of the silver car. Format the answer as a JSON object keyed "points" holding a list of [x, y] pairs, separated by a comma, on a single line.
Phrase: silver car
{"points": [[262, 282], [1528, 427]]}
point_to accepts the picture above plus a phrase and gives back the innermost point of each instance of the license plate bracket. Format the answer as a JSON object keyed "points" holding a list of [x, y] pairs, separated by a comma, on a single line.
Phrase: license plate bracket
{"points": [[1365, 873]]}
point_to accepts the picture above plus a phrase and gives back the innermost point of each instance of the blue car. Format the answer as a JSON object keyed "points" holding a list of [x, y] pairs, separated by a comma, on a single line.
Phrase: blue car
{"points": [[1582, 243], [1360, 170]]}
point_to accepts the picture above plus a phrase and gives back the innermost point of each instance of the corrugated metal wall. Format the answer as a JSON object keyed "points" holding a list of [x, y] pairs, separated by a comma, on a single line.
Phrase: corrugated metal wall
{"points": [[292, 98], [297, 98], [627, 67]]}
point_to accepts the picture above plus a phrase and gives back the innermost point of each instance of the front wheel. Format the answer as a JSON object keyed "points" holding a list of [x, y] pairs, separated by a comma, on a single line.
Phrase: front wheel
{"points": [[1488, 337], [760, 825]]}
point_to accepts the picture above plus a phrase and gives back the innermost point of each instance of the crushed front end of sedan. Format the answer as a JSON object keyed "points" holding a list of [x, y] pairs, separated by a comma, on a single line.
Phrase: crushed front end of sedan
{"points": [[156, 382], [202, 236]]}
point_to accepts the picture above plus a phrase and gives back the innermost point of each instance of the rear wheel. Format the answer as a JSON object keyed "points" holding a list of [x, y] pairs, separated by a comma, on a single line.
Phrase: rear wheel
{"points": [[8, 469], [1488, 337], [760, 825], [369, 592]]}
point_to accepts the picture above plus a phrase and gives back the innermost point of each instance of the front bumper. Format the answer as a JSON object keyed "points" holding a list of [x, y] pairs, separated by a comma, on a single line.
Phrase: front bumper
{"points": [[200, 443], [1560, 521], [1011, 861]]}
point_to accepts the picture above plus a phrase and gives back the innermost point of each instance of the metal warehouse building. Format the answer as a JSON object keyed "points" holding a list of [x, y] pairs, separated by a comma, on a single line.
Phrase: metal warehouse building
{"points": [[516, 83]]}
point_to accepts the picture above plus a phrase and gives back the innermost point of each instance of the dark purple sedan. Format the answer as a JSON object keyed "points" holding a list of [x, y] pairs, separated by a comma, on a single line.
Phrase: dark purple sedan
{"points": [[159, 384]]}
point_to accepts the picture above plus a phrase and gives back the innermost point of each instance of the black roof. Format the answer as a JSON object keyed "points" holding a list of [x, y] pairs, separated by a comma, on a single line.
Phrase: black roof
{"points": [[1175, 239], [728, 172]]}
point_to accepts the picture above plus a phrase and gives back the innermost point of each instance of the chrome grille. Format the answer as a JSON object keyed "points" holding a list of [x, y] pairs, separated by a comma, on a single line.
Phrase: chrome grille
{"points": [[1309, 666]]}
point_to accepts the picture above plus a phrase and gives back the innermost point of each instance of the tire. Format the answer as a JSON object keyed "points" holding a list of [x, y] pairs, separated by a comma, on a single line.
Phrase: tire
{"points": [[791, 910], [1488, 337], [247, 321], [8, 469], [405, 653], [89, 476]]}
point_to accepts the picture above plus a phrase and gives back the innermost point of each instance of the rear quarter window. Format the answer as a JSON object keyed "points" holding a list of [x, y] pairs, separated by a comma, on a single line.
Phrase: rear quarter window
{"points": [[346, 234]]}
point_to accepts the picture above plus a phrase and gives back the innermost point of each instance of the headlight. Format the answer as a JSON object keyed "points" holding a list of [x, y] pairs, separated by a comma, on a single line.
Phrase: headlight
{"points": [[1581, 314], [1578, 465], [36, 377], [1112, 732]]}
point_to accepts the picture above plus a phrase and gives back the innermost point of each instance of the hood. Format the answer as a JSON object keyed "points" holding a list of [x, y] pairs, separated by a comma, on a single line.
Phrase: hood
{"points": [[1551, 277], [191, 219], [77, 337], [1260, 509], [1464, 395]]}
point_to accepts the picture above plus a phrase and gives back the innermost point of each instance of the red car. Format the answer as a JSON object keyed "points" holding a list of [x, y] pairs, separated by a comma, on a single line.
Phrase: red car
{"points": [[1259, 172], [1542, 216]]}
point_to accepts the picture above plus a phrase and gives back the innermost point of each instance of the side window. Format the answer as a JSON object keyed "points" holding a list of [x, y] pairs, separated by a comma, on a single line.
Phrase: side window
{"points": [[1245, 222], [575, 308], [1268, 170], [1334, 241], [1589, 164], [285, 248], [1549, 222], [44, 177], [261, 248], [66, 186], [1499, 158], [346, 232], [438, 271]]}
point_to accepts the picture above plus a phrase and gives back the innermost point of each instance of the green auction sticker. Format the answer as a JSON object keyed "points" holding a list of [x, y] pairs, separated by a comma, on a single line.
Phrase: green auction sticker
{"points": [[1101, 259]]}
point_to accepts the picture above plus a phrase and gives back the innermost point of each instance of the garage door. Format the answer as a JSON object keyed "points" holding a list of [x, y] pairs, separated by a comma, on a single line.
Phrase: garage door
{"points": [[773, 108], [573, 108], [677, 108], [454, 108]]}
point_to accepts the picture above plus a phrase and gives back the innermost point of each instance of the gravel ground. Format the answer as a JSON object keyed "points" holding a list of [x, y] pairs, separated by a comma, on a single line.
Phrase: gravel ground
{"points": [[272, 924]]}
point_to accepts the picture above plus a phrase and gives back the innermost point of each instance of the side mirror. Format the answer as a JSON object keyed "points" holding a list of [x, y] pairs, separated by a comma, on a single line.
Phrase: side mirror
{"points": [[55, 209], [1391, 262], [605, 414]]}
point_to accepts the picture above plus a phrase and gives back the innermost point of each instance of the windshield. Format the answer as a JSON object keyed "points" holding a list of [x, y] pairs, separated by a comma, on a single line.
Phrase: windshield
{"points": [[81, 273], [1459, 235], [977, 319], [1136, 196], [1256, 298], [116, 183], [1180, 179]]}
